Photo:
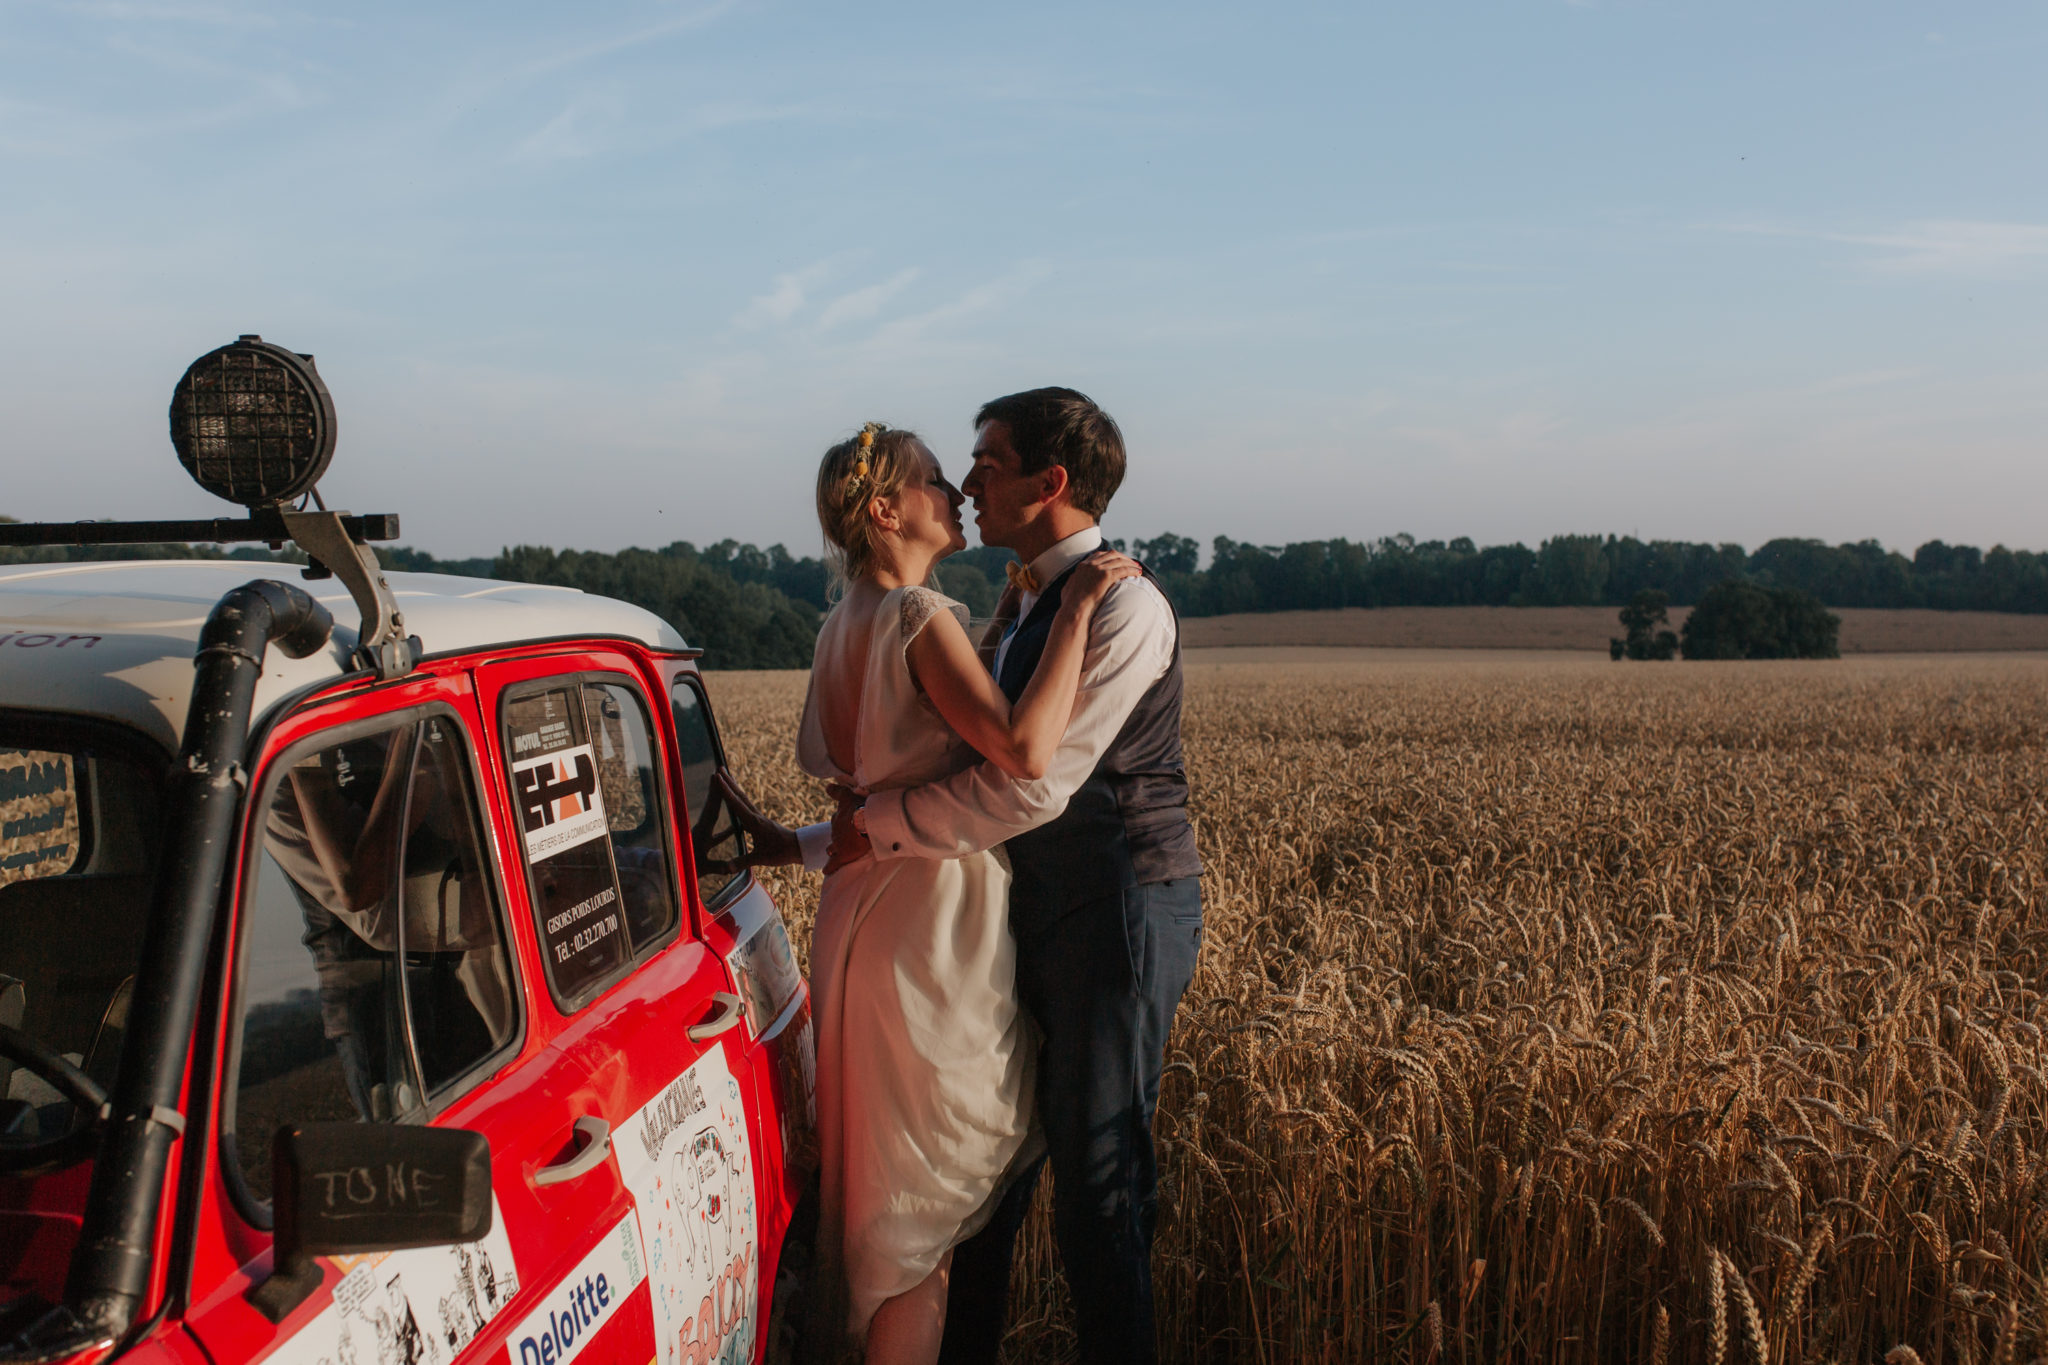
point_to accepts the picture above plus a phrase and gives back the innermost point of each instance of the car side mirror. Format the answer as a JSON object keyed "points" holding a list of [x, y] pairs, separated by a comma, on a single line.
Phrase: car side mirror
{"points": [[345, 1188]]}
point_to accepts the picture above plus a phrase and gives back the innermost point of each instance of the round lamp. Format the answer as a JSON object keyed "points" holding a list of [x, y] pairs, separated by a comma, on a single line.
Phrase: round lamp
{"points": [[252, 423]]}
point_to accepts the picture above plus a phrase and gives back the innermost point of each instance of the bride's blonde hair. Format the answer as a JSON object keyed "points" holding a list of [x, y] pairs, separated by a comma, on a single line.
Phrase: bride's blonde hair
{"points": [[872, 464]]}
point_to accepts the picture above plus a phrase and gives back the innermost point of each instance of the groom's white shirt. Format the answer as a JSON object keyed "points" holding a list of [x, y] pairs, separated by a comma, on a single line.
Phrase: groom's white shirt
{"points": [[1130, 647]]}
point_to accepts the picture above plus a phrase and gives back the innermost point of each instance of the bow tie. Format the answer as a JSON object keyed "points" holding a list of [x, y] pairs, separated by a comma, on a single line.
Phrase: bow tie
{"points": [[1021, 577]]}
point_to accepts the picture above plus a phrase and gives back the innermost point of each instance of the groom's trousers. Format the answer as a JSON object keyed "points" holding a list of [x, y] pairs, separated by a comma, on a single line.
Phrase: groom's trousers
{"points": [[1102, 983]]}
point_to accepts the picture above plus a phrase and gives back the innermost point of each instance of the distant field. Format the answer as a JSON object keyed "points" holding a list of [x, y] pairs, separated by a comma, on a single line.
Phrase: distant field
{"points": [[1864, 631]]}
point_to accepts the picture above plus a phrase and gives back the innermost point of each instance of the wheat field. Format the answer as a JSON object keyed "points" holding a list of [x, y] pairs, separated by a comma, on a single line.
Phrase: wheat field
{"points": [[1552, 1009]]}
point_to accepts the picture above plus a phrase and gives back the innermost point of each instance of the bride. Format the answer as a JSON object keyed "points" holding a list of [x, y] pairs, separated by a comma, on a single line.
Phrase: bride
{"points": [[925, 1058]]}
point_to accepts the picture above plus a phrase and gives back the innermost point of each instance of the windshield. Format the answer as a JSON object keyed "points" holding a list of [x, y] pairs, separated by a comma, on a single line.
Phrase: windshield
{"points": [[78, 825]]}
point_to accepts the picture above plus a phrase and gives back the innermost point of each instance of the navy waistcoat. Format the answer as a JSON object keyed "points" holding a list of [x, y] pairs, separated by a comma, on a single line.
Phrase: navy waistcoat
{"points": [[1128, 824]]}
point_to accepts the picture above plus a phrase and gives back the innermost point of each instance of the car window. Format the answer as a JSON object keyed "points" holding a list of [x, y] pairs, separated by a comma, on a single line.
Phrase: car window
{"points": [[374, 970], [629, 777], [459, 993], [78, 834], [585, 785], [714, 836]]}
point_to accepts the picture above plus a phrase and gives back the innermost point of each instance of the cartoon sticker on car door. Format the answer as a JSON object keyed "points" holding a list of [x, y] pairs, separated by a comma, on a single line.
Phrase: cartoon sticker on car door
{"points": [[686, 1190], [716, 1191], [417, 1307], [399, 1339], [474, 1300], [689, 1168]]}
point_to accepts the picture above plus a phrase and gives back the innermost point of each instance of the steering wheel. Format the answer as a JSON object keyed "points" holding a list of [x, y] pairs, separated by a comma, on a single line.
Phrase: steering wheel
{"points": [[39, 1058]]}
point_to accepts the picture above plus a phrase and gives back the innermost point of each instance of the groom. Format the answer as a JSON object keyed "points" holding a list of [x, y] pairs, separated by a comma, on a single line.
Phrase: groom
{"points": [[1105, 900]]}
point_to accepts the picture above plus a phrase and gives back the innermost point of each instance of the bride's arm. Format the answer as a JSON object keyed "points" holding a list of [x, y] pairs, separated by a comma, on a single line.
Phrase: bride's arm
{"points": [[1018, 739]]}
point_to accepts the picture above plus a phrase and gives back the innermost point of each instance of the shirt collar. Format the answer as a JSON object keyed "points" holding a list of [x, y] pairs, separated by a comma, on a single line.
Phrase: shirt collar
{"points": [[1065, 554]]}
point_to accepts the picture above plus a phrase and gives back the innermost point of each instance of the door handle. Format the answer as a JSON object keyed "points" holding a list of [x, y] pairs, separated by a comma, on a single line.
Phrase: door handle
{"points": [[729, 1015], [597, 1145]]}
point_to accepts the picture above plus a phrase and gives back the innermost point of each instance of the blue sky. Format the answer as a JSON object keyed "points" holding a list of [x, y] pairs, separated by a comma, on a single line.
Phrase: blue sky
{"points": [[617, 272]]}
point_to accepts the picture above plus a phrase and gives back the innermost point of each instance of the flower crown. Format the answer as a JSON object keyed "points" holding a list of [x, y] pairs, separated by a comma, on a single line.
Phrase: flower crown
{"points": [[866, 443]]}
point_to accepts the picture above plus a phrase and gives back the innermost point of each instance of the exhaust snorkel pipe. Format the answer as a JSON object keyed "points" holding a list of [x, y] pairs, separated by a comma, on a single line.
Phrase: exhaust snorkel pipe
{"points": [[110, 1274]]}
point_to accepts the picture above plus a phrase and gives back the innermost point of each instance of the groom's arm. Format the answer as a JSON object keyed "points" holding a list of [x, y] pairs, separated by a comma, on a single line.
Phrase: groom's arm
{"points": [[1130, 647]]}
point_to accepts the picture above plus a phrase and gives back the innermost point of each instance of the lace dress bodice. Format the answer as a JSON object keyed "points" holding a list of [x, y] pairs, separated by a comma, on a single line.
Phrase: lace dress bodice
{"points": [[899, 739]]}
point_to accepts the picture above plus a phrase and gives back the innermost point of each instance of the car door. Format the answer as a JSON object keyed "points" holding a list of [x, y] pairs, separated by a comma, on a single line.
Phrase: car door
{"points": [[648, 1012], [379, 972], [742, 924]]}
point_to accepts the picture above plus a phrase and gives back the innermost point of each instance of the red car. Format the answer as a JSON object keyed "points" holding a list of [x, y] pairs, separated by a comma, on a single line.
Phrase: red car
{"points": [[373, 996]]}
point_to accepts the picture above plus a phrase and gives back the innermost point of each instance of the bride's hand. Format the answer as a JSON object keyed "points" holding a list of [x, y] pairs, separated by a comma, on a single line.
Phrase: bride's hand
{"points": [[1092, 579], [769, 844]]}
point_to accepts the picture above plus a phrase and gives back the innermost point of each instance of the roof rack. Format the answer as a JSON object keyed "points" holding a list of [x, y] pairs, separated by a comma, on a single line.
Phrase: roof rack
{"points": [[262, 524]]}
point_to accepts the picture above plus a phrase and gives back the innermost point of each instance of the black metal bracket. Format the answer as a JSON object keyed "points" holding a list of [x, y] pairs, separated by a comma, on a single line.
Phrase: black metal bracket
{"points": [[381, 641], [262, 524]]}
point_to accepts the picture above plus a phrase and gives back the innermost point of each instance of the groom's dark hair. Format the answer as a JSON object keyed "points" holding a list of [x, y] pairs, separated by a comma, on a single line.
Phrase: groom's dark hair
{"points": [[1063, 427]]}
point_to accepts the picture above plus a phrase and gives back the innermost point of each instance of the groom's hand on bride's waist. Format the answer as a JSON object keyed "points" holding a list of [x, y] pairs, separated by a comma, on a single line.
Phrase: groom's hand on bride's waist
{"points": [[849, 839]]}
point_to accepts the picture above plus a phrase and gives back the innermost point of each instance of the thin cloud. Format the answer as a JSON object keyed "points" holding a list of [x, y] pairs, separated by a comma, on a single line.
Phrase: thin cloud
{"points": [[578, 131], [980, 299], [47, 131], [713, 117], [778, 305], [605, 47], [215, 16], [785, 300], [279, 88], [594, 123], [863, 304], [1936, 246], [52, 130], [1953, 246], [496, 74]]}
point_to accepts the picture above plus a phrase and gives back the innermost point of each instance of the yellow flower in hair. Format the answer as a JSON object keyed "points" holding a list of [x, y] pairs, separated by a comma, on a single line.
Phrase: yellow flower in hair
{"points": [[860, 471], [867, 439]]}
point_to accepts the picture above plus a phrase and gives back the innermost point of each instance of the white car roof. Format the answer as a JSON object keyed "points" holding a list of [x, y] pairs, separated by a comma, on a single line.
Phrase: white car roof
{"points": [[115, 640]]}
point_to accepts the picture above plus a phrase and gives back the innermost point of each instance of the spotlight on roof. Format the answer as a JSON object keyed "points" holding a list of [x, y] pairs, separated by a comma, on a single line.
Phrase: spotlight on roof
{"points": [[252, 423]]}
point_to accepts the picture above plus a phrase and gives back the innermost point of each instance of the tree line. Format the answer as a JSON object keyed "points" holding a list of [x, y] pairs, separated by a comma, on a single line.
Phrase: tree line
{"points": [[1583, 570], [748, 607], [754, 608]]}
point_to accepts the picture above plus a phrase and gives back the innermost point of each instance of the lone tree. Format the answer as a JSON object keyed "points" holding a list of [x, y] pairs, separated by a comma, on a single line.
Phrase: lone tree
{"points": [[1640, 618], [1738, 620]]}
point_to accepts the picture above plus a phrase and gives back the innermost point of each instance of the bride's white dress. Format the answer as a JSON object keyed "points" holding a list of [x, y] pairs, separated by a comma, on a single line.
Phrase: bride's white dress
{"points": [[924, 1055]]}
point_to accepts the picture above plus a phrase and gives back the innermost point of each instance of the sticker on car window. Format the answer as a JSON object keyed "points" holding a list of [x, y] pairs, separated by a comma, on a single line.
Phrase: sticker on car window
{"points": [[418, 1307], [561, 803], [38, 814], [685, 1159], [559, 794]]}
